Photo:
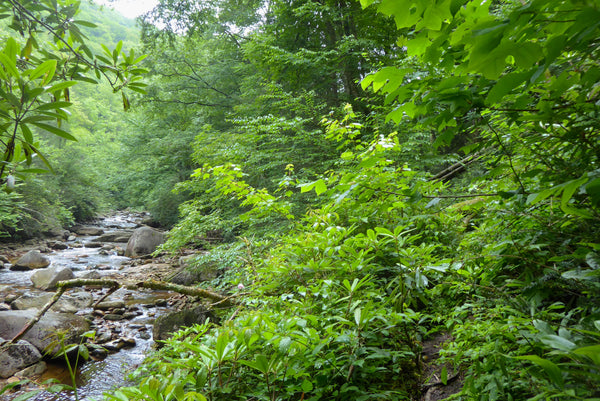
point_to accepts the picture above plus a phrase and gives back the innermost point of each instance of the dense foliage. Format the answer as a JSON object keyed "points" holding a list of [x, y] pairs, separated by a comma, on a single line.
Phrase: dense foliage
{"points": [[367, 179]]}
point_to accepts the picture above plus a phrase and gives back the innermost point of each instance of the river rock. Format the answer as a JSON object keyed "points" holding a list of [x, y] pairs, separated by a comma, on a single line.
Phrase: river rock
{"points": [[143, 241], [117, 236], [90, 275], [58, 245], [166, 324], [46, 279], [33, 370], [31, 260], [106, 305], [41, 334], [15, 357], [66, 304], [85, 230]]}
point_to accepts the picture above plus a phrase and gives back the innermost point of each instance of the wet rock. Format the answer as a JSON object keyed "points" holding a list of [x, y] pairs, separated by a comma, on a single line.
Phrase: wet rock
{"points": [[103, 336], [160, 302], [169, 323], [4, 259], [130, 315], [33, 370], [1, 264], [58, 245], [85, 230], [144, 241], [71, 238], [66, 304], [11, 323], [119, 236], [91, 275], [31, 260], [46, 279], [104, 252], [113, 317], [15, 357], [120, 251], [106, 305], [144, 335], [93, 244], [4, 306]]}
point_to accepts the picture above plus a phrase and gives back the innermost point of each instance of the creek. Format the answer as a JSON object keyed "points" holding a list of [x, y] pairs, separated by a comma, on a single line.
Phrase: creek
{"points": [[98, 375]]}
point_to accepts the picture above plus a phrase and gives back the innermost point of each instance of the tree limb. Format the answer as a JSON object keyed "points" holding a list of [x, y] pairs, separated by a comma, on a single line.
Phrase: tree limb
{"points": [[114, 285]]}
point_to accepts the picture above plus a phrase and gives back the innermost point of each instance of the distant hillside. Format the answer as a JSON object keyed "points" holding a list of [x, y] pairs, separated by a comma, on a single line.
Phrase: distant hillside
{"points": [[112, 26]]}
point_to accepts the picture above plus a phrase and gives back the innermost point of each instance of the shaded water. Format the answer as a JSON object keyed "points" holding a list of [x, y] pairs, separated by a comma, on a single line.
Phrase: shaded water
{"points": [[96, 377]]}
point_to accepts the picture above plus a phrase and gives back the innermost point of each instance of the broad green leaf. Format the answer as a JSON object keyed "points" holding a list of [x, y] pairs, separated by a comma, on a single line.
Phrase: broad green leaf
{"points": [[549, 367], [307, 386], [48, 68], [557, 342], [10, 65], [320, 187], [61, 86], [592, 352], [56, 131], [505, 85]]}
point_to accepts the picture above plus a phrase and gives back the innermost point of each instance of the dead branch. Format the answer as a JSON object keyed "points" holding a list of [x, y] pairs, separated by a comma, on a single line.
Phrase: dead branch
{"points": [[113, 285]]}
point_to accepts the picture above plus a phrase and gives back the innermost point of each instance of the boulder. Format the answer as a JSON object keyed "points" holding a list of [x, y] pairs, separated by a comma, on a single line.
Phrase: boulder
{"points": [[85, 230], [41, 335], [16, 357], [144, 241], [31, 260], [46, 279], [71, 303], [117, 236], [171, 322]]}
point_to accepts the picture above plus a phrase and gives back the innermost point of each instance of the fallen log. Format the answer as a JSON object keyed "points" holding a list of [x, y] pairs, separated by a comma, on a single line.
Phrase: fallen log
{"points": [[113, 285]]}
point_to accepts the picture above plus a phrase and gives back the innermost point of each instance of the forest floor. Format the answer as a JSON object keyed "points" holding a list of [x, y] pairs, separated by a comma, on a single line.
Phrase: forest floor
{"points": [[433, 387]]}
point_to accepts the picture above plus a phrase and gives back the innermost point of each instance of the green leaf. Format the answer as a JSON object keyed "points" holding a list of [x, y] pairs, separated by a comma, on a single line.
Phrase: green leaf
{"points": [[284, 344], [551, 369], [60, 86], [592, 352], [85, 23], [505, 85], [320, 187], [10, 65], [307, 386], [48, 68], [557, 342], [56, 131]]}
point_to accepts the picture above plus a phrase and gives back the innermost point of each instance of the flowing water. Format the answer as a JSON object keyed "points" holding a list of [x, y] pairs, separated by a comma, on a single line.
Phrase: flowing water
{"points": [[96, 377]]}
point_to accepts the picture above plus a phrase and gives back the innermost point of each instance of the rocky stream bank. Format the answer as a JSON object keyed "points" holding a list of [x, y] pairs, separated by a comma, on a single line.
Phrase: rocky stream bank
{"points": [[124, 321]]}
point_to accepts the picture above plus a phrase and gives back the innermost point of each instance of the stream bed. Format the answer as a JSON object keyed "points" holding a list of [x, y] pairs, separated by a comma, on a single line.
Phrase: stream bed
{"points": [[89, 259]]}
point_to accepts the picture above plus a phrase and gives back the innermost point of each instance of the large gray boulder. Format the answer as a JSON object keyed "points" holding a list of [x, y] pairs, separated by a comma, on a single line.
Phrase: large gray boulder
{"points": [[31, 260], [46, 279], [144, 241], [167, 324], [42, 334], [15, 357], [71, 303]]}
